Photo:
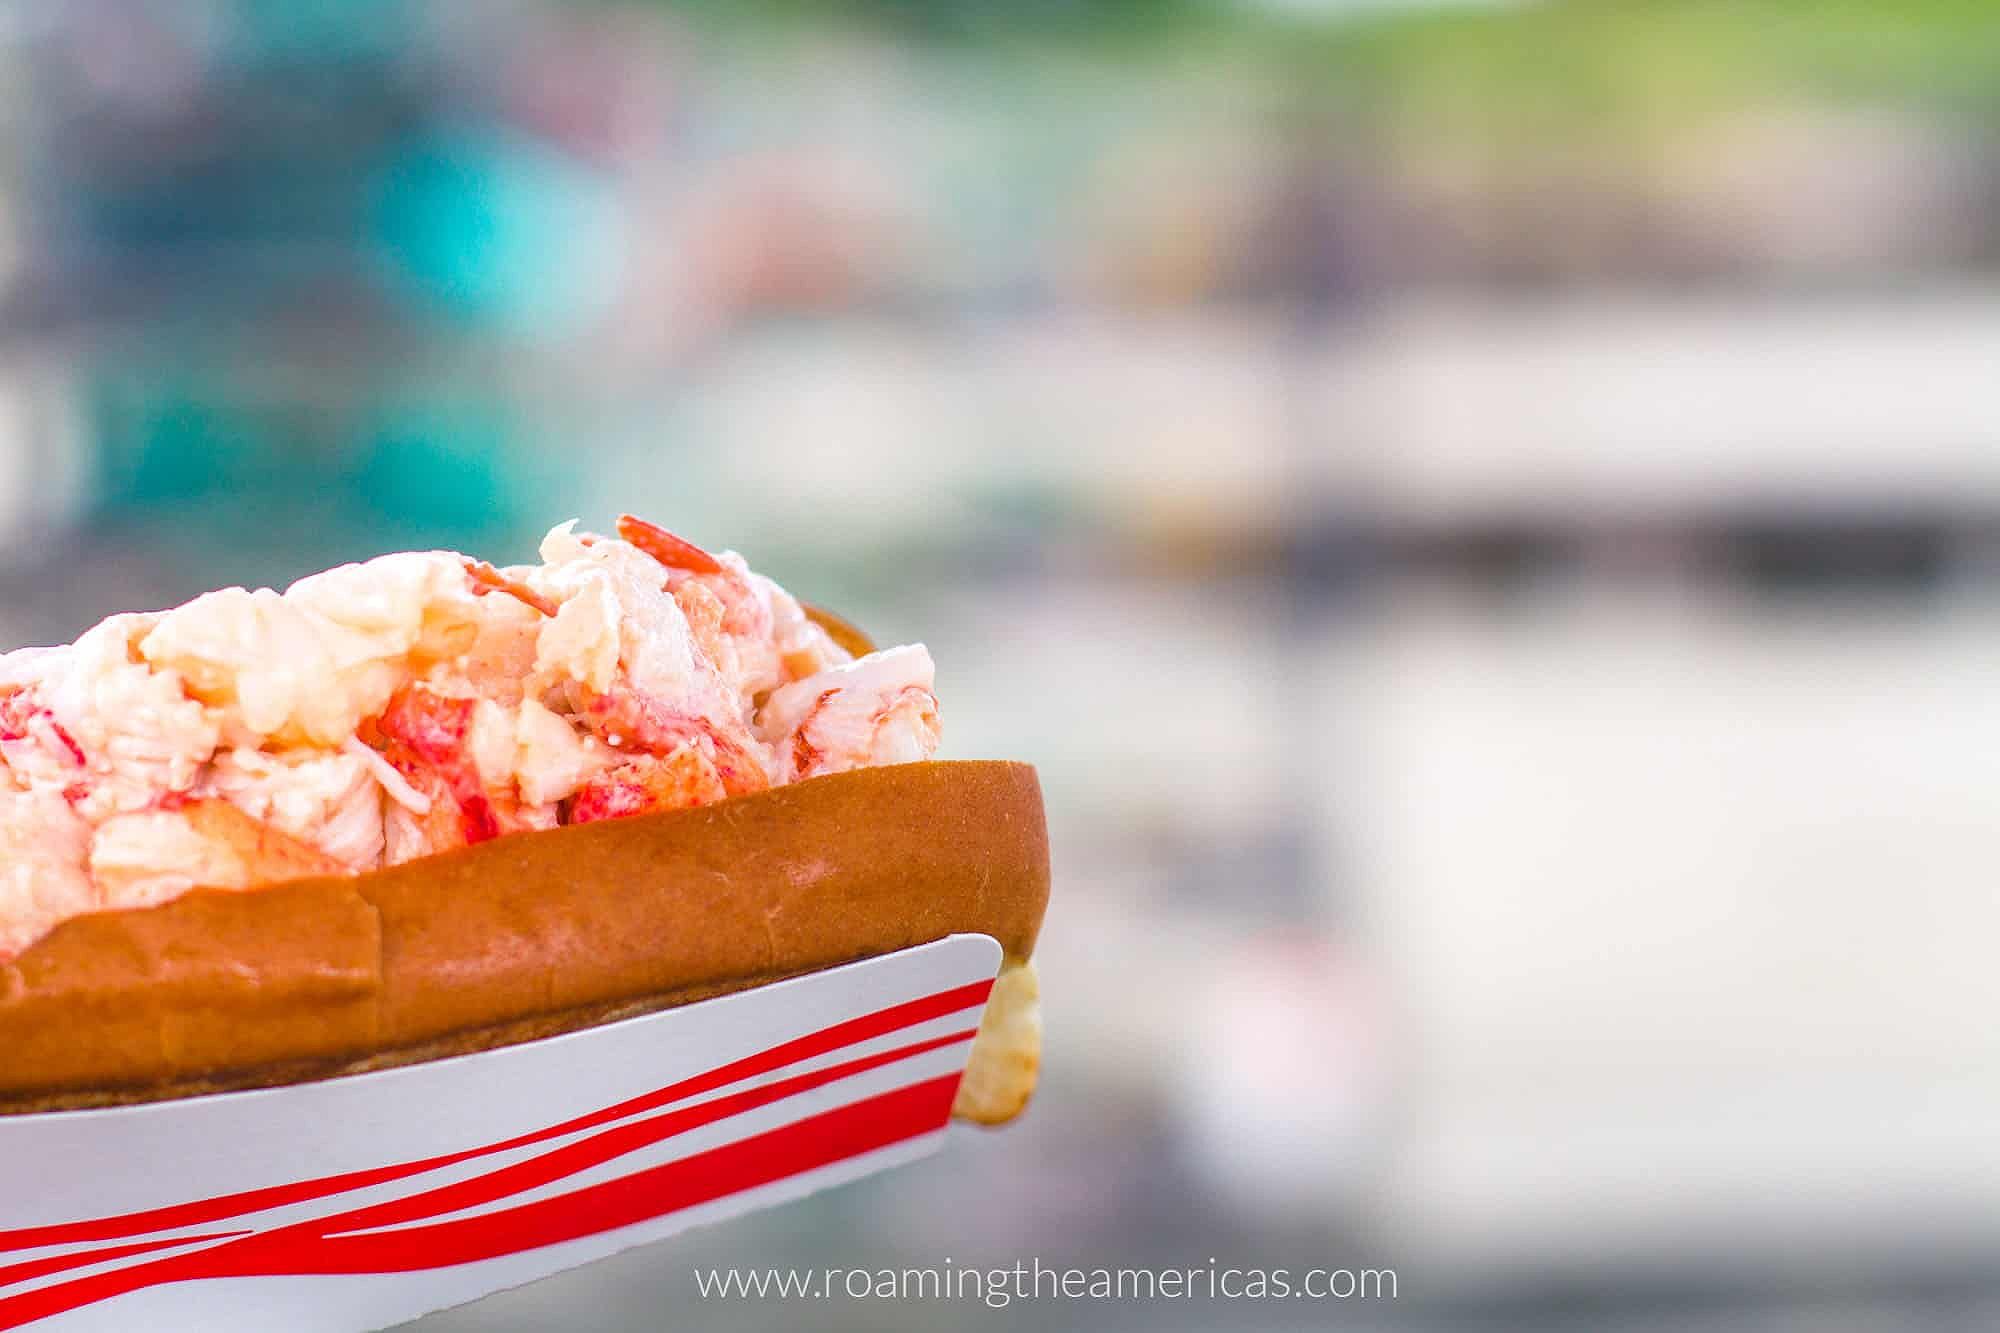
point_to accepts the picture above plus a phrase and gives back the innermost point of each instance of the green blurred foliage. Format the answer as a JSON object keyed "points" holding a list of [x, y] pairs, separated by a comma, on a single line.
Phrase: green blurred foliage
{"points": [[1630, 66], [1491, 68]]}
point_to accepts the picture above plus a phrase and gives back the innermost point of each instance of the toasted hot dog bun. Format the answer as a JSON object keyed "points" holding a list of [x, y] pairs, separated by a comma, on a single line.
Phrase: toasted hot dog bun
{"points": [[534, 934]]}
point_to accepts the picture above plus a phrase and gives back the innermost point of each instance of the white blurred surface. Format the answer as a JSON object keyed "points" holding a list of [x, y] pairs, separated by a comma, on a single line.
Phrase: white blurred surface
{"points": [[1690, 911], [1617, 404]]}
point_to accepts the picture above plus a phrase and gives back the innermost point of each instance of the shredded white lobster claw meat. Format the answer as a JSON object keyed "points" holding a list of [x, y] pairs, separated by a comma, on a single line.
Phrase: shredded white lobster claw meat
{"points": [[416, 702], [880, 709]]}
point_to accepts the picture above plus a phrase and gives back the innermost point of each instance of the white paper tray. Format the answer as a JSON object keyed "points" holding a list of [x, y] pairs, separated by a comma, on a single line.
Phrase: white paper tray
{"points": [[359, 1202]]}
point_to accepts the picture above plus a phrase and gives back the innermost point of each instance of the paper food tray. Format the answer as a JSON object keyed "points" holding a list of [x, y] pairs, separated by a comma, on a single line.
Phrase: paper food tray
{"points": [[360, 1202]]}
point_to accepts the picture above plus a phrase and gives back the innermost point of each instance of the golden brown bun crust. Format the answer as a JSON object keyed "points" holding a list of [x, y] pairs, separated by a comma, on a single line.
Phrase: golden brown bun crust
{"points": [[520, 937]]}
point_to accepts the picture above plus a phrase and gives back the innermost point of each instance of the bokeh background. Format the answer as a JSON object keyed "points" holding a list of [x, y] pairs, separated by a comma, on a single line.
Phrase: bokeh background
{"points": [[1487, 519]]}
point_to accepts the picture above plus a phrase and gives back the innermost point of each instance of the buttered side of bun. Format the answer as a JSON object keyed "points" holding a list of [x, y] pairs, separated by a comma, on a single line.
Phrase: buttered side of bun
{"points": [[421, 805]]}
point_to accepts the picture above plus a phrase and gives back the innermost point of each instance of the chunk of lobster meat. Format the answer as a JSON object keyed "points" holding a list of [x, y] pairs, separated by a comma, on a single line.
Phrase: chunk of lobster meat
{"points": [[729, 609], [624, 623], [330, 799], [628, 720], [43, 848], [40, 753], [747, 614], [844, 731], [671, 551], [306, 666], [705, 615], [437, 825], [152, 857], [107, 733], [432, 728], [431, 739], [266, 854], [551, 760], [679, 781], [132, 729], [878, 709]]}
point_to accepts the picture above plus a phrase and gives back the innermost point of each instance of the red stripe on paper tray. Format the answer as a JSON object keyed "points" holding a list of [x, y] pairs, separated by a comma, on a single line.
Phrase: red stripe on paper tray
{"points": [[231, 1206], [317, 1247], [34, 1268], [331, 1244]]}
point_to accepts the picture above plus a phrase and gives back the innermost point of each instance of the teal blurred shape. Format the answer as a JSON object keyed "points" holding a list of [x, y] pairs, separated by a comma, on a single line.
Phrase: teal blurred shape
{"points": [[497, 229], [173, 448], [319, 31], [432, 475]]}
